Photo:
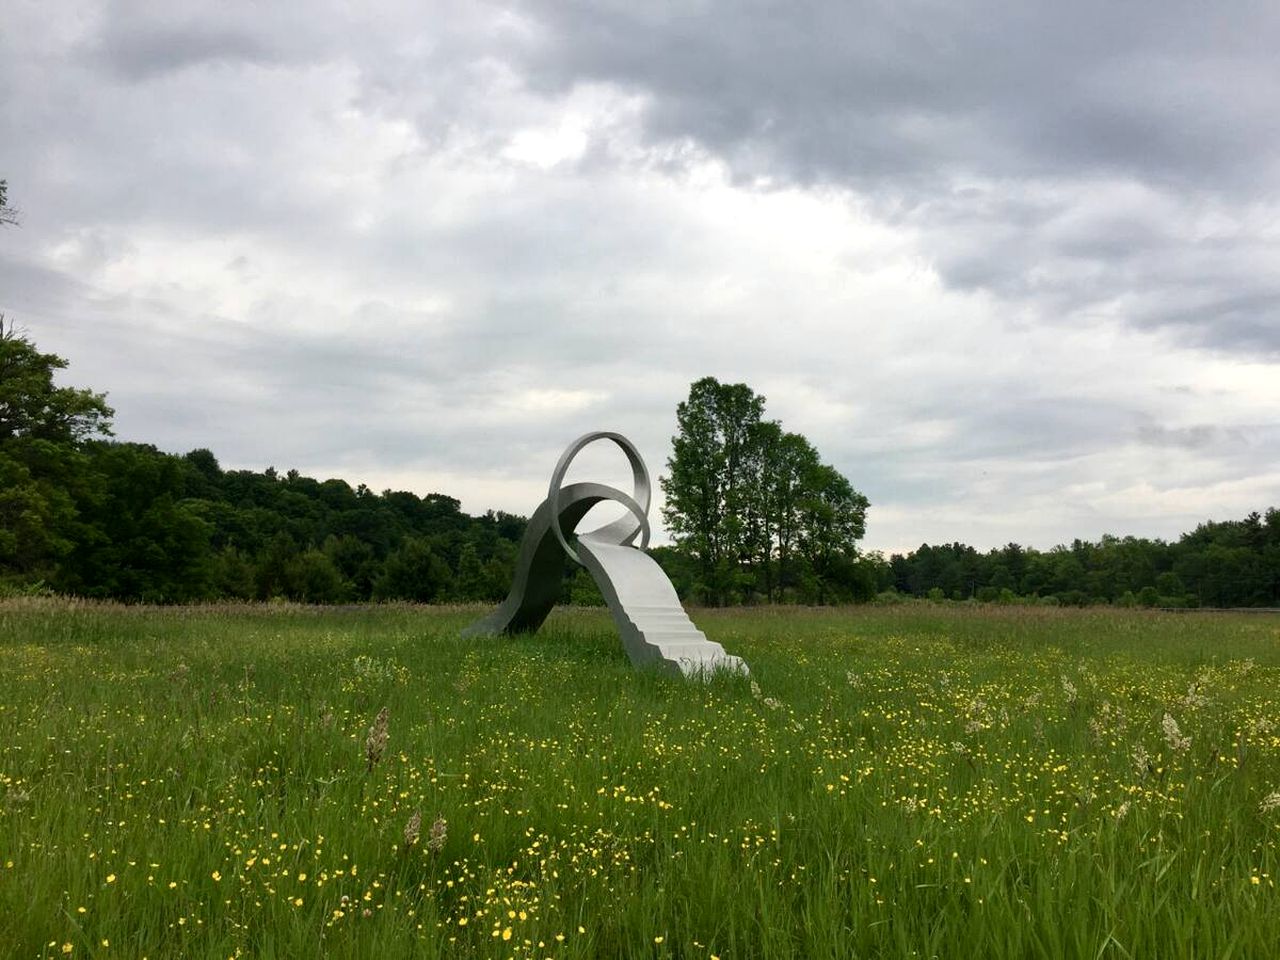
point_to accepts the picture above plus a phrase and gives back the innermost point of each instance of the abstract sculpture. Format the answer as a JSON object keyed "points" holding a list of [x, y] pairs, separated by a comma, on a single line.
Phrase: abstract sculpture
{"points": [[654, 627]]}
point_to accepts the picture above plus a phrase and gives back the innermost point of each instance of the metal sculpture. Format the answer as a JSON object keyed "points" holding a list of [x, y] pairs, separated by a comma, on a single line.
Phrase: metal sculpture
{"points": [[654, 628]]}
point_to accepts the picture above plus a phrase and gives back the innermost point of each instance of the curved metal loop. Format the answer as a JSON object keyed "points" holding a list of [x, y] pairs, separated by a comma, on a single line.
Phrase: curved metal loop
{"points": [[606, 533], [621, 531]]}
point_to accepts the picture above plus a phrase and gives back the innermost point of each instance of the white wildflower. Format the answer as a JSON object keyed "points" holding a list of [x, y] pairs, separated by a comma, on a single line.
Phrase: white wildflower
{"points": [[977, 716], [1097, 729], [1194, 699], [376, 741], [1069, 689], [1173, 736], [1141, 760]]}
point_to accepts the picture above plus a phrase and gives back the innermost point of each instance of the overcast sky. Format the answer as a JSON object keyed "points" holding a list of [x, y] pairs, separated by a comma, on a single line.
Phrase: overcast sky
{"points": [[1013, 268]]}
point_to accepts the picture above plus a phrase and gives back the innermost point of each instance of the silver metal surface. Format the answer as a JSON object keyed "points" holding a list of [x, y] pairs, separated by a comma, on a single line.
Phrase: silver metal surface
{"points": [[621, 530], [653, 626]]}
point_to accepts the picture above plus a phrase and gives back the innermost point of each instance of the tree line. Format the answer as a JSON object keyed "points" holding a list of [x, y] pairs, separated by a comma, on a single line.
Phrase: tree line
{"points": [[84, 515], [755, 513], [1233, 563]]}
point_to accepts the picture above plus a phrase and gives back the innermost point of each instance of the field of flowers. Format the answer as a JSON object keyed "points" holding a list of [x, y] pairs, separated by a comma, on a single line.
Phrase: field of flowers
{"points": [[925, 781]]}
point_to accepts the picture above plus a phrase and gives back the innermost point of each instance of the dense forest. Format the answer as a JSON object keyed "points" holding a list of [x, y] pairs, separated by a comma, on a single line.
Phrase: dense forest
{"points": [[756, 516]]}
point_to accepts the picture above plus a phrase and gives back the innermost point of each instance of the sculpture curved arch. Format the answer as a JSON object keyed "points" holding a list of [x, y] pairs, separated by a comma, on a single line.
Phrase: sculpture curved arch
{"points": [[637, 503], [652, 624]]}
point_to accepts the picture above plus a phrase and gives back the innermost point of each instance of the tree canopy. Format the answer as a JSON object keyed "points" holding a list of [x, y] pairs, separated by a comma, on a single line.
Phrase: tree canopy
{"points": [[755, 507], [31, 407], [42, 464]]}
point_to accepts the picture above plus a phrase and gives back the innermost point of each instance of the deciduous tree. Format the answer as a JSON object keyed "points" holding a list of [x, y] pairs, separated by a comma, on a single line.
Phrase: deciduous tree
{"points": [[42, 466], [741, 492]]}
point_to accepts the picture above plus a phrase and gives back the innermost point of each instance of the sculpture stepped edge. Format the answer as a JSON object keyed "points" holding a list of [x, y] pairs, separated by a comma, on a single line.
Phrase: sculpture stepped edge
{"points": [[647, 612]]}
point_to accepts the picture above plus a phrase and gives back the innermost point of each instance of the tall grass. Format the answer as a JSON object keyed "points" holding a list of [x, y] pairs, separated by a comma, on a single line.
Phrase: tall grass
{"points": [[915, 781]]}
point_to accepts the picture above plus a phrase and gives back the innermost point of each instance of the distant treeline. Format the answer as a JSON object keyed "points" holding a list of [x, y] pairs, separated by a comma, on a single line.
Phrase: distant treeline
{"points": [[166, 528], [758, 517], [87, 516], [1235, 563]]}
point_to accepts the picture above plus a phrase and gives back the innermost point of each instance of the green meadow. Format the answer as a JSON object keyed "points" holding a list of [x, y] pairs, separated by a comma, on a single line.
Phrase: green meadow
{"points": [[912, 781]]}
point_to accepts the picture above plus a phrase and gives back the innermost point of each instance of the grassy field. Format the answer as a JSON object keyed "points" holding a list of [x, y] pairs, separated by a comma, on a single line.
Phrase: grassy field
{"points": [[921, 781]]}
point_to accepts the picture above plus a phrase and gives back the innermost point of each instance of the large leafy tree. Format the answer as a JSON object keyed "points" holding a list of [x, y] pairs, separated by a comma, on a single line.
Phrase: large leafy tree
{"points": [[32, 407], [833, 518], [708, 486], [43, 429], [748, 501]]}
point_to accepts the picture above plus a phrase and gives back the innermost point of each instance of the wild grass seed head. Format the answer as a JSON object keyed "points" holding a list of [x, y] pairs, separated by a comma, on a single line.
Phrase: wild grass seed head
{"points": [[376, 742], [437, 835], [413, 828]]}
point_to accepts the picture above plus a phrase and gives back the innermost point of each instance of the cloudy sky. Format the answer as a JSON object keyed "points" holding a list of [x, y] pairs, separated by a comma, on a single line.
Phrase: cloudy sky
{"points": [[1013, 268]]}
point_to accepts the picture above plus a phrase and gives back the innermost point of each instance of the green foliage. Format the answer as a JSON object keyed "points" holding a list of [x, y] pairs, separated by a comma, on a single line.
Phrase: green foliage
{"points": [[32, 407], [139, 538], [755, 507], [1235, 563], [413, 572], [581, 590], [470, 583], [313, 578], [43, 429]]}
